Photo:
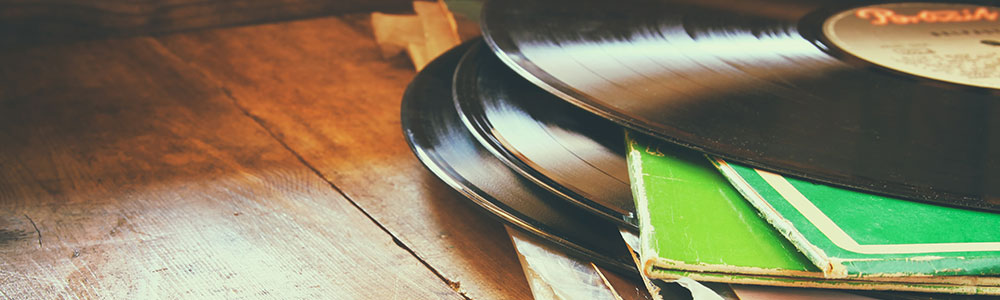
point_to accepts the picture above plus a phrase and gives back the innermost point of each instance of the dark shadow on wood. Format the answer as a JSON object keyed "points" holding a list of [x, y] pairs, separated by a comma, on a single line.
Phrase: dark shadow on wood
{"points": [[46, 22]]}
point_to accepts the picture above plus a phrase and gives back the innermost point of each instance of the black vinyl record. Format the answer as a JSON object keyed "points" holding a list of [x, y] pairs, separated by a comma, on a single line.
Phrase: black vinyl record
{"points": [[562, 148], [769, 84], [437, 136]]}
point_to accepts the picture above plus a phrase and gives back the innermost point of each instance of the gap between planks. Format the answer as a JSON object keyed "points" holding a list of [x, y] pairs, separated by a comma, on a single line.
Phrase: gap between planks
{"points": [[260, 123]]}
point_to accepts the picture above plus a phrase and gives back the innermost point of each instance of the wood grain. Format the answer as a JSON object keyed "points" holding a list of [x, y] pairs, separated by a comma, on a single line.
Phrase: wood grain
{"points": [[126, 173], [321, 87]]}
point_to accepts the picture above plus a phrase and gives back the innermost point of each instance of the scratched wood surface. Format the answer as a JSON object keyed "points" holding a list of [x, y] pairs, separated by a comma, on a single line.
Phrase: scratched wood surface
{"points": [[248, 162], [343, 119]]}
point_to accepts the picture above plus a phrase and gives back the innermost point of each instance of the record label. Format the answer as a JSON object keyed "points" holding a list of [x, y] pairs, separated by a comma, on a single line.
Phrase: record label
{"points": [[956, 43]]}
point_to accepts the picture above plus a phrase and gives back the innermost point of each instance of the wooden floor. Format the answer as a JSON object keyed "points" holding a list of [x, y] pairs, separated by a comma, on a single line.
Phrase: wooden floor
{"points": [[263, 160]]}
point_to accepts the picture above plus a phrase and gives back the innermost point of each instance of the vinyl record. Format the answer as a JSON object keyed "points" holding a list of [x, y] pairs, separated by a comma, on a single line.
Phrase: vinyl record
{"points": [[898, 99], [562, 148], [442, 143]]}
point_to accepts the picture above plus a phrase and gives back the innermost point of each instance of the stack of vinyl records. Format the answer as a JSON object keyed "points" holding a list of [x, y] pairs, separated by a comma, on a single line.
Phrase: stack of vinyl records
{"points": [[824, 144]]}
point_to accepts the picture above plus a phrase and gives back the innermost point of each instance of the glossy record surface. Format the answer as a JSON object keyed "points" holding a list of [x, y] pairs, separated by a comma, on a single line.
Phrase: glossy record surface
{"points": [[563, 148], [442, 143], [752, 81]]}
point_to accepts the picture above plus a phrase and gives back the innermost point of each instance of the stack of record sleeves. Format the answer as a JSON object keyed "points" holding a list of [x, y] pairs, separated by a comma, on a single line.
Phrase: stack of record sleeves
{"points": [[816, 144]]}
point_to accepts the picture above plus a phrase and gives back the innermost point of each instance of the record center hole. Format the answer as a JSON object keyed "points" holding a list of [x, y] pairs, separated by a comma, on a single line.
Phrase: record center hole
{"points": [[990, 42]]}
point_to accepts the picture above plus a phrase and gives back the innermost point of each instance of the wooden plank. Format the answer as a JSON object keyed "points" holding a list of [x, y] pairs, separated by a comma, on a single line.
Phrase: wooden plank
{"points": [[440, 30], [47, 21], [394, 33], [552, 274], [126, 174], [322, 88]]}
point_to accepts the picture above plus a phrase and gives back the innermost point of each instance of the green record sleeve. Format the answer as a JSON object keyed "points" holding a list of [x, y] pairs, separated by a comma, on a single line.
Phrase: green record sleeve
{"points": [[694, 223]]}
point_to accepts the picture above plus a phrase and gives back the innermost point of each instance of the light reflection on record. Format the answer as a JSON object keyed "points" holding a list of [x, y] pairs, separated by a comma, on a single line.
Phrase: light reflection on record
{"points": [[439, 139], [760, 86], [571, 152]]}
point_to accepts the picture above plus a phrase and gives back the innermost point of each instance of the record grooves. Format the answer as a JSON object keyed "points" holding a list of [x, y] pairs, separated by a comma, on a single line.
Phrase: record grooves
{"points": [[743, 83], [570, 152], [432, 127]]}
